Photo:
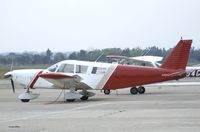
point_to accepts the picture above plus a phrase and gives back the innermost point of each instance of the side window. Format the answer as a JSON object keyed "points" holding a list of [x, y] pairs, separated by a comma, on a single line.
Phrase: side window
{"points": [[81, 69], [94, 70], [67, 68], [98, 70]]}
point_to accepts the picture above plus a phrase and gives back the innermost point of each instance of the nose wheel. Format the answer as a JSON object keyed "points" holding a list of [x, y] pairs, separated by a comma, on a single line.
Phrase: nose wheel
{"points": [[27, 96], [25, 100]]}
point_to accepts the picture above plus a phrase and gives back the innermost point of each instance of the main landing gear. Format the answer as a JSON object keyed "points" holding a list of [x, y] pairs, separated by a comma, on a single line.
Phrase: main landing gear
{"points": [[135, 90], [106, 91], [72, 95]]}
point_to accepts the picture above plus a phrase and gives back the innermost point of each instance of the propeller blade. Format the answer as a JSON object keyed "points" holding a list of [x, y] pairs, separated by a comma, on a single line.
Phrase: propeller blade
{"points": [[12, 83]]}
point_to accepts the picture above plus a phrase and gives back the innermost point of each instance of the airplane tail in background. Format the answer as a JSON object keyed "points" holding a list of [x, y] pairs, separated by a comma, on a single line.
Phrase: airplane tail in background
{"points": [[178, 57]]}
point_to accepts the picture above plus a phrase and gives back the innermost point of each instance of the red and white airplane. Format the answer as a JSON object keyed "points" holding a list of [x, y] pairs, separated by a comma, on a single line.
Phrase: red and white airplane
{"points": [[82, 75]]}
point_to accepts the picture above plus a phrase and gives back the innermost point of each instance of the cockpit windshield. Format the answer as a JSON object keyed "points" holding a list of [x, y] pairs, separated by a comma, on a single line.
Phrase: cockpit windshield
{"points": [[53, 68], [66, 68]]}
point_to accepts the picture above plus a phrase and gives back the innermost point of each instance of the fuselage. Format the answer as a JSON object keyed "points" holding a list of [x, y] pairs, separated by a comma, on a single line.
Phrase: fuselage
{"points": [[96, 75]]}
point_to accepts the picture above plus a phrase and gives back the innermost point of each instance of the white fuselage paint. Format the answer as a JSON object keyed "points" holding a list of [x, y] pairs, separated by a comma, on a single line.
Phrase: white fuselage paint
{"points": [[93, 80], [25, 77]]}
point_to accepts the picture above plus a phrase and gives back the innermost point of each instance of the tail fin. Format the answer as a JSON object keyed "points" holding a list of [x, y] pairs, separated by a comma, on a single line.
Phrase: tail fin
{"points": [[178, 57]]}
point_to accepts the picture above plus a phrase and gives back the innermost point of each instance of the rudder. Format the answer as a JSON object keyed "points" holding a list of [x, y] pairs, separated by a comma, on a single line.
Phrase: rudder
{"points": [[178, 57]]}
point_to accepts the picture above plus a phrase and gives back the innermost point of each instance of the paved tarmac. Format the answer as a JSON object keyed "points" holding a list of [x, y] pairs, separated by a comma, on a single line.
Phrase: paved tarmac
{"points": [[166, 109]]}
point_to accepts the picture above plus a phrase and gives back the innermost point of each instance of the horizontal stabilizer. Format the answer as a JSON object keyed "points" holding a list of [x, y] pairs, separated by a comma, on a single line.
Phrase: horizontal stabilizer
{"points": [[175, 74]]}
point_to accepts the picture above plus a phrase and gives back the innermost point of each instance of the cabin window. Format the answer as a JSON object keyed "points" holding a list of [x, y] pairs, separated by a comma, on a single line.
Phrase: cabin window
{"points": [[66, 68], [98, 70], [81, 69], [94, 70]]}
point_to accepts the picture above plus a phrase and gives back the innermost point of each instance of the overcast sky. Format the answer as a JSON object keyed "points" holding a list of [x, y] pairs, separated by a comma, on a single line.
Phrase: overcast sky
{"points": [[68, 25]]}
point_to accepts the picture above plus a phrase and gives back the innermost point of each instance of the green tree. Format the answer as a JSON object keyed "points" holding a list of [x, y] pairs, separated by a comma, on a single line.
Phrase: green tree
{"points": [[59, 57], [48, 56]]}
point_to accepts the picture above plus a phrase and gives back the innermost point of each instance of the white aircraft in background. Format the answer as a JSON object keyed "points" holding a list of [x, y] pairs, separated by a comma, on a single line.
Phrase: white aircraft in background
{"points": [[138, 60], [192, 71]]}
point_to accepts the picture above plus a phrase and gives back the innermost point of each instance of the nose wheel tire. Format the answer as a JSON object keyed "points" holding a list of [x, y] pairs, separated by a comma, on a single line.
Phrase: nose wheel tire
{"points": [[141, 90], [25, 100], [133, 90], [106, 91]]}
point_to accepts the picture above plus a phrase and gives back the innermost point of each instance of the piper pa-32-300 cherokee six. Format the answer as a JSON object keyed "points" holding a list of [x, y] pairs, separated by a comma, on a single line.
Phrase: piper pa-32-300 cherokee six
{"points": [[83, 75]]}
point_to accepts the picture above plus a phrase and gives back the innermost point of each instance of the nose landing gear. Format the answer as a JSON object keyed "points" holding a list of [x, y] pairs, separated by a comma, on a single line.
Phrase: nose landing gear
{"points": [[27, 96]]}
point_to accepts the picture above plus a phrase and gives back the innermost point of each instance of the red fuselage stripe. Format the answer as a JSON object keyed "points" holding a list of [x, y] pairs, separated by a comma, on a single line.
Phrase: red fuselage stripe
{"points": [[35, 79]]}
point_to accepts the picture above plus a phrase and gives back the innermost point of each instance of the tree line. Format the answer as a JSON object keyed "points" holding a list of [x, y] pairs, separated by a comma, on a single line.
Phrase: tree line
{"points": [[48, 57]]}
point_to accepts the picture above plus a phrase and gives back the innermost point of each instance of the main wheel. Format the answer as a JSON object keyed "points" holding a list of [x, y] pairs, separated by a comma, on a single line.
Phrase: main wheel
{"points": [[133, 90], [70, 100], [25, 100], [141, 90], [84, 98], [106, 91]]}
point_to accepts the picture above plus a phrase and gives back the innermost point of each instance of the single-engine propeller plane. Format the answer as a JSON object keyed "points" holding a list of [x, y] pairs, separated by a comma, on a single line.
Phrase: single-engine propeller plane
{"points": [[81, 76]]}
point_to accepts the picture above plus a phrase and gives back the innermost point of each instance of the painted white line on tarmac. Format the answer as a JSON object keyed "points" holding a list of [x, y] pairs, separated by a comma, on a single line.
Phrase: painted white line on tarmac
{"points": [[56, 112]]}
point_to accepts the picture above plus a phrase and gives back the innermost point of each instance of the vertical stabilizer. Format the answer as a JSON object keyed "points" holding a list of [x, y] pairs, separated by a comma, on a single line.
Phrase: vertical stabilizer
{"points": [[178, 57]]}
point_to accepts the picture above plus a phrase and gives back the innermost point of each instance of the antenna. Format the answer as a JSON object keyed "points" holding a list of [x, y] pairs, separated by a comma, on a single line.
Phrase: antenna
{"points": [[99, 57], [11, 66], [144, 54], [181, 38]]}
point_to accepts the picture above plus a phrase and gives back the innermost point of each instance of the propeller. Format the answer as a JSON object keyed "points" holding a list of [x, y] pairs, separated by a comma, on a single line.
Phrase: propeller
{"points": [[11, 80], [9, 75], [13, 86]]}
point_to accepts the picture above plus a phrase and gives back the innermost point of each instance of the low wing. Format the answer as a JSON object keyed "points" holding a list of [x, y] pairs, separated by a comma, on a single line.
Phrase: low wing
{"points": [[147, 60], [62, 80], [142, 60], [118, 57], [137, 58], [150, 59]]}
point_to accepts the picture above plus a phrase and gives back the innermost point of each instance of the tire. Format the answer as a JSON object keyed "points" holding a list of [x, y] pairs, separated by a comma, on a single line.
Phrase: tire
{"points": [[141, 90], [106, 91], [25, 100], [133, 90], [70, 100], [84, 98]]}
